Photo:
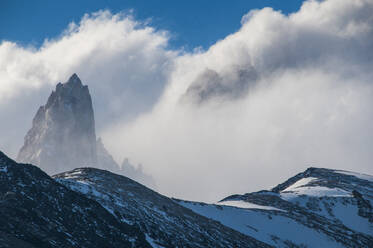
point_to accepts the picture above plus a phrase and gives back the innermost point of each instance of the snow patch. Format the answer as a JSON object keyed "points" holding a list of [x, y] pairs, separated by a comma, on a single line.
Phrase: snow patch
{"points": [[314, 191], [249, 205], [300, 183], [76, 172], [263, 226]]}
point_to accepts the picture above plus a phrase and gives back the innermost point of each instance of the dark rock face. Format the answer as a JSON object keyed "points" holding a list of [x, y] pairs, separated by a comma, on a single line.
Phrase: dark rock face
{"points": [[164, 221], [63, 135], [36, 211]]}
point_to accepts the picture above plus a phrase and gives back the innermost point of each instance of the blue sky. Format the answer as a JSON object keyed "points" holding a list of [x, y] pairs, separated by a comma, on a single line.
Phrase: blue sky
{"points": [[191, 23]]}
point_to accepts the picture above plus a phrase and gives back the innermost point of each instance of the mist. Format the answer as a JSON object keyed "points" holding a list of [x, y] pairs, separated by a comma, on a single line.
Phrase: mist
{"points": [[283, 93]]}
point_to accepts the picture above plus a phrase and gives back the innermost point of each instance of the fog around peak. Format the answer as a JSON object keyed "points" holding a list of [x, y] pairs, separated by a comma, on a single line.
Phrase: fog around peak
{"points": [[281, 94]]}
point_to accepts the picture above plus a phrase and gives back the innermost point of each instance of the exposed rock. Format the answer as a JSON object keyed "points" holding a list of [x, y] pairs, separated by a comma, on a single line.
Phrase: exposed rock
{"points": [[62, 136]]}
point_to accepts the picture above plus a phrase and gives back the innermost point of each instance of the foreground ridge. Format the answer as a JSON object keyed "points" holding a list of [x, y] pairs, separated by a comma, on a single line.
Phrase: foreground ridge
{"points": [[165, 222], [88, 207], [36, 211]]}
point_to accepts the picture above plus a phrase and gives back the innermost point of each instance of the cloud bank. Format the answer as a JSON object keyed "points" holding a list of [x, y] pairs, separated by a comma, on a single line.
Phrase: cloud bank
{"points": [[123, 61], [279, 95]]}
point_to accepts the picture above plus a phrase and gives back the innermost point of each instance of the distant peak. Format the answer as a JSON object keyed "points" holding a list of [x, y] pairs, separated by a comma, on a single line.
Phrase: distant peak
{"points": [[74, 79], [63, 130]]}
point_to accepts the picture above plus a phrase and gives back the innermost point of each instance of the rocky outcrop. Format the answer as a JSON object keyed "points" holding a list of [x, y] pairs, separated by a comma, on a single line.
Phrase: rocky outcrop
{"points": [[63, 134]]}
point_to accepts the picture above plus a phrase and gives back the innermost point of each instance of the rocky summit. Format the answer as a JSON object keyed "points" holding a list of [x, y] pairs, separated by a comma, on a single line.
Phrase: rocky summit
{"points": [[63, 134]]}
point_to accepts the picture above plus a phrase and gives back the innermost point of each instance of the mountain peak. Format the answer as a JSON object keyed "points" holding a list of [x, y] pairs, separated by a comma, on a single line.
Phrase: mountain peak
{"points": [[74, 79], [72, 85], [328, 178], [63, 132]]}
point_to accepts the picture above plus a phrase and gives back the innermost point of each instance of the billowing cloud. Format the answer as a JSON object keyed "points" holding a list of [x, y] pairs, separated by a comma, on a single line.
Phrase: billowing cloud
{"points": [[283, 93]]}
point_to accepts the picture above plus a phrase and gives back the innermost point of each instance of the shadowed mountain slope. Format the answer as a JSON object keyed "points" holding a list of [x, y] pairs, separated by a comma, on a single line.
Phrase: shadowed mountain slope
{"points": [[36, 211]]}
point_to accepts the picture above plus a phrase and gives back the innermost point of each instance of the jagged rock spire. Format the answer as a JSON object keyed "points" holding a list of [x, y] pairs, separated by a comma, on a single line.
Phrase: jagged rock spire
{"points": [[74, 79], [63, 134]]}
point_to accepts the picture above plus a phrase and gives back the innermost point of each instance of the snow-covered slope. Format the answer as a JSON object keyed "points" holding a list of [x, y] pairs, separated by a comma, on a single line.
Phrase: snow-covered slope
{"points": [[266, 225], [316, 208], [165, 223]]}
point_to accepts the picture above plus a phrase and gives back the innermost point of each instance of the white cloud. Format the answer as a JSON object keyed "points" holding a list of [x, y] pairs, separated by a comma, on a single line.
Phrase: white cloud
{"points": [[124, 62], [308, 104]]}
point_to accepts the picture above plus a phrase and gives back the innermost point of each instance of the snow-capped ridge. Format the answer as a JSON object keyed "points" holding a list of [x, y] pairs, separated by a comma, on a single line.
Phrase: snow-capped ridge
{"points": [[329, 178], [316, 208]]}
